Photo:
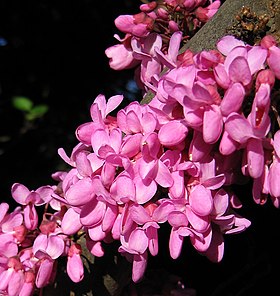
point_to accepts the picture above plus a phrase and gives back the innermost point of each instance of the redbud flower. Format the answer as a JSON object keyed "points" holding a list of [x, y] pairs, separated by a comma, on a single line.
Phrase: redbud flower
{"points": [[75, 268]]}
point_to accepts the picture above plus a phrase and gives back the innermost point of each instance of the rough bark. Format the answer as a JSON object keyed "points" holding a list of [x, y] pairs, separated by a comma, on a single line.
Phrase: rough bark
{"points": [[219, 25]]}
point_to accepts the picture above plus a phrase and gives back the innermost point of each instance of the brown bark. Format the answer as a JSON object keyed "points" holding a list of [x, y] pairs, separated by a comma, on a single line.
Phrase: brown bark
{"points": [[224, 19]]}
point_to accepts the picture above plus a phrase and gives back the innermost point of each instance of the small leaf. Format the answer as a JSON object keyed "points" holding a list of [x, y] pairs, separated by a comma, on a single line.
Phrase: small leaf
{"points": [[37, 112], [22, 103]]}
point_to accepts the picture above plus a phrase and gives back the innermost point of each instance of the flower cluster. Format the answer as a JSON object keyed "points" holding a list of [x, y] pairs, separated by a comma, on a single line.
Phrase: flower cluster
{"points": [[212, 123], [28, 251], [154, 25]]}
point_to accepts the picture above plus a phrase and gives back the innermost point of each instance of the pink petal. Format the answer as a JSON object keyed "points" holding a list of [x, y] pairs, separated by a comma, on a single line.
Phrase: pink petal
{"points": [[239, 71], [256, 58], [75, 268], [164, 176], [80, 193], [177, 219], [168, 137], [199, 223], [215, 252], [233, 99], [212, 124], [95, 248], [96, 233], [144, 193], [55, 246], [227, 144], [30, 217], [139, 266], [120, 57], [4, 207], [214, 182], [175, 244], [221, 76], [5, 277], [177, 190], [44, 272], [45, 194], [274, 177], [83, 164], [201, 200], [221, 202], [20, 193], [131, 145], [201, 93], [70, 223], [123, 189], [99, 138], [133, 122], [152, 234], [138, 241], [273, 60], [148, 170], [198, 148], [83, 133], [15, 283], [202, 244], [150, 146], [238, 128], [139, 214], [148, 122], [162, 211], [113, 103], [227, 43], [92, 213], [110, 216], [255, 158]]}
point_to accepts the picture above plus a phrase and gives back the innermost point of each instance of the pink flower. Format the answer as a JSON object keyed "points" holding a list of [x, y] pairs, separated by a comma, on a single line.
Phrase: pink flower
{"points": [[46, 268], [135, 244], [49, 241], [74, 267], [101, 119], [29, 284], [251, 131], [12, 278], [30, 199], [206, 13], [149, 218], [241, 62], [274, 172], [270, 43], [121, 55], [138, 25]]}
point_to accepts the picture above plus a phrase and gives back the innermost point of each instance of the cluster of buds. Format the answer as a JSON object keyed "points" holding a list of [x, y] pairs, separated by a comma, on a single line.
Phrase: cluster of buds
{"points": [[156, 23]]}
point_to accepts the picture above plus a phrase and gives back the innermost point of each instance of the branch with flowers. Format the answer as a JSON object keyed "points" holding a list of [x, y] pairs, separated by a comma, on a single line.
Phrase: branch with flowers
{"points": [[212, 122]]}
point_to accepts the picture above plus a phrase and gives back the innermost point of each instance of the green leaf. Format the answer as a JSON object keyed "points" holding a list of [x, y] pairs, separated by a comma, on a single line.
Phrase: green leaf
{"points": [[37, 112], [22, 103]]}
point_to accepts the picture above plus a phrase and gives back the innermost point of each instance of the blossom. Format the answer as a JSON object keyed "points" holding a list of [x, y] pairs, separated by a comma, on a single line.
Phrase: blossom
{"points": [[30, 199], [74, 266]]}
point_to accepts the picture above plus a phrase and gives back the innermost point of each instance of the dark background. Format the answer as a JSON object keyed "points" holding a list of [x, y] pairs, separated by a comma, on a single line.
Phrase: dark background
{"points": [[53, 53]]}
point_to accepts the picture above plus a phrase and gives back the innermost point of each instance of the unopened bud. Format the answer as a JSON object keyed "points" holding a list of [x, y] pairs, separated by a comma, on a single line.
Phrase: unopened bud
{"points": [[265, 76], [268, 41], [147, 7]]}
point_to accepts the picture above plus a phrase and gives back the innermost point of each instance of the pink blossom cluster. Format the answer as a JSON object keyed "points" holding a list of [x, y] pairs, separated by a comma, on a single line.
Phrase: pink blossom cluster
{"points": [[29, 245], [155, 24], [211, 124]]}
